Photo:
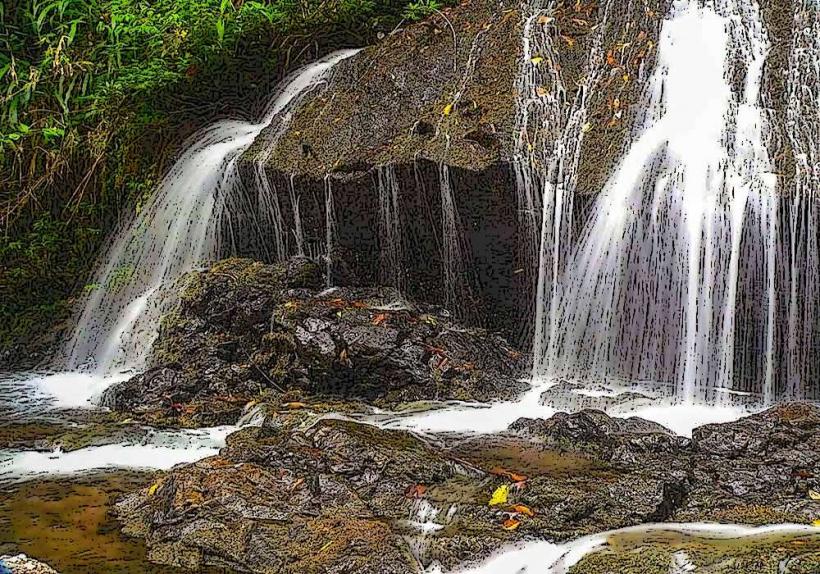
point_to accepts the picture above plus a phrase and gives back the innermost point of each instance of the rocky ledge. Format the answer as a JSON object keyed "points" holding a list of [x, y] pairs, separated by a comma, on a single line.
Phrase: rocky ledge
{"points": [[244, 331], [307, 493]]}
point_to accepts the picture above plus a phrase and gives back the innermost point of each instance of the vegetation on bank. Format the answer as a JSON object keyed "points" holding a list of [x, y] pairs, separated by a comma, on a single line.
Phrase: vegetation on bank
{"points": [[97, 95]]}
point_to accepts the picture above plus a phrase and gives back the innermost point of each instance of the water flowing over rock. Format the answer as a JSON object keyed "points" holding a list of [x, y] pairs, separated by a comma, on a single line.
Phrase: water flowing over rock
{"points": [[186, 221]]}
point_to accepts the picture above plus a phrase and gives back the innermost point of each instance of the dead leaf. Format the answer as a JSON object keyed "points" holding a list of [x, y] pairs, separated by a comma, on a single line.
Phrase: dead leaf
{"points": [[296, 484], [587, 127], [379, 319], [544, 20], [510, 524], [415, 491], [522, 509], [500, 495], [513, 476], [814, 494], [570, 41], [541, 91], [152, 490], [536, 60], [447, 109], [295, 405]]}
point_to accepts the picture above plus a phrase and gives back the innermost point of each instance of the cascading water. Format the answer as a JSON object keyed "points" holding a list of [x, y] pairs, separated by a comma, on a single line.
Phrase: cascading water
{"points": [[178, 229], [391, 258], [684, 237], [550, 133]]}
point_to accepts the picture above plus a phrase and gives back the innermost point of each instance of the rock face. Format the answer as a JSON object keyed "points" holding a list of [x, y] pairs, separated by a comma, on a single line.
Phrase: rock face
{"points": [[334, 497], [438, 122], [243, 330], [757, 470], [302, 493]]}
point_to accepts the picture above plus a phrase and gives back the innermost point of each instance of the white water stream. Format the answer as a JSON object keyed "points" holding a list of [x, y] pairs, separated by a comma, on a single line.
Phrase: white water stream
{"points": [[179, 228], [548, 558], [685, 223]]}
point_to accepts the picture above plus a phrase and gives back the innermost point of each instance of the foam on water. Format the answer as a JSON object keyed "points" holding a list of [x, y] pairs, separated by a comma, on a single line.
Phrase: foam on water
{"points": [[29, 395], [486, 418], [159, 450], [549, 558]]}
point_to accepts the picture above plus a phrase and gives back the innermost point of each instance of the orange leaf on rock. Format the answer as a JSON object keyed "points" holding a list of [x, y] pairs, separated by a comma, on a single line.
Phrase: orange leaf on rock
{"points": [[295, 405], [513, 476], [510, 524], [522, 509], [379, 319], [415, 491]]}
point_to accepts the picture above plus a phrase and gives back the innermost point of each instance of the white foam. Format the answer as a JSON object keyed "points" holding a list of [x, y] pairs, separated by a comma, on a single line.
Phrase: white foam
{"points": [[548, 558], [73, 389], [483, 418], [683, 418], [479, 418], [159, 450]]}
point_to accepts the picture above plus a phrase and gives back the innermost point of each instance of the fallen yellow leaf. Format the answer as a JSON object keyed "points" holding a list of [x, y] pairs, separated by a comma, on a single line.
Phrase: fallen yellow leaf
{"points": [[814, 495], [153, 489], [536, 60], [545, 20], [326, 546], [500, 495], [816, 523], [447, 109], [541, 92], [587, 127]]}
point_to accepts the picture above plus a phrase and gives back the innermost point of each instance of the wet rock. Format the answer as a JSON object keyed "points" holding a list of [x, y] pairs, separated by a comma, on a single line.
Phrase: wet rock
{"points": [[572, 396], [285, 496], [673, 553], [22, 564], [333, 497], [245, 330], [597, 433], [760, 468]]}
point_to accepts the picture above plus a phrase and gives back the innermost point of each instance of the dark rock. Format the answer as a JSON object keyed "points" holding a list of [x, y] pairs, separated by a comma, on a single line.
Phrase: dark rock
{"points": [[331, 498], [293, 494], [758, 469], [244, 330], [598, 433]]}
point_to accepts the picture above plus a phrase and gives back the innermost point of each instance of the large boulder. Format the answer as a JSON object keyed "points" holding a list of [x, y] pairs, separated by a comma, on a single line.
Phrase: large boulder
{"points": [[331, 496], [760, 468], [243, 331]]}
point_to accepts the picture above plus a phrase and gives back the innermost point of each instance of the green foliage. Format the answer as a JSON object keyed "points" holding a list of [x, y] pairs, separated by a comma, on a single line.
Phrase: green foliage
{"points": [[421, 9], [93, 96]]}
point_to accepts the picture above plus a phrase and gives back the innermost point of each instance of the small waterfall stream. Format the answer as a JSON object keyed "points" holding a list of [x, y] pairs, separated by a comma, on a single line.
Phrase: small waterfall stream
{"points": [[179, 228]]}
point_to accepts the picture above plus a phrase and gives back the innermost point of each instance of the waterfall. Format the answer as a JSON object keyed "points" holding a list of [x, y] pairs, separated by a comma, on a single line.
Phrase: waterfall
{"points": [[330, 230], [391, 249], [549, 134], [674, 279], [180, 227]]}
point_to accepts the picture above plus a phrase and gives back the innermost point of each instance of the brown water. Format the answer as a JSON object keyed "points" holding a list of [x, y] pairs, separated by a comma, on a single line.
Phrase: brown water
{"points": [[493, 453], [66, 523]]}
